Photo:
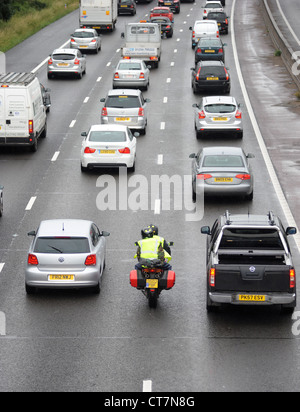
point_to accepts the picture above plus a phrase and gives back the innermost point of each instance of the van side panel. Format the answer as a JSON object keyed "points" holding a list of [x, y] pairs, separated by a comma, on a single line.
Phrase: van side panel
{"points": [[2, 117]]}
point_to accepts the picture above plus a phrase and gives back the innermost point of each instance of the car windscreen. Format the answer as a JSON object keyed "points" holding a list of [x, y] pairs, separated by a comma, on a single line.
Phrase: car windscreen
{"points": [[63, 56], [123, 102], [220, 108], [247, 238], [129, 66], [58, 245], [107, 136], [223, 161], [83, 35]]}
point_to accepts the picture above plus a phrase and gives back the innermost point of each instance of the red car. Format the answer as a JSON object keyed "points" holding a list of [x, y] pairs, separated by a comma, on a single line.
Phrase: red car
{"points": [[162, 11]]}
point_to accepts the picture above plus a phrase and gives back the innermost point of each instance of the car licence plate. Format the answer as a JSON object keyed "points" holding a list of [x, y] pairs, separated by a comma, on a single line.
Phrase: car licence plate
{"points": [[61, 277], [123, 119], [152, 283], [220, 119], [212, 78], [252, 298], [209, 51], [63, 64], [83, 47], [223, 179], [107, 151]]}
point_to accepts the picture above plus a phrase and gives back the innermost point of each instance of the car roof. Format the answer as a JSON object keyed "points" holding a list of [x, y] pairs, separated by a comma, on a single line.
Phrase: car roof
{"points": [[108, 127], [162, 8], [269, 219], [135, 60], [62, 51], [219, 99], [222, 150], [83, 29], [65, 228], [211, 63], [120, 92]]}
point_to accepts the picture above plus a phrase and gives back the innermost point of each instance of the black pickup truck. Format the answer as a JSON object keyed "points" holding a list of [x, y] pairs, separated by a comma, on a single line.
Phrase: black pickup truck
{"points": [[249, 262]]}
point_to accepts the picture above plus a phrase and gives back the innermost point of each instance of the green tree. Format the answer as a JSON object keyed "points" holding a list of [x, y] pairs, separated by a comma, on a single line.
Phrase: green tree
{"points": [[5, 10]]}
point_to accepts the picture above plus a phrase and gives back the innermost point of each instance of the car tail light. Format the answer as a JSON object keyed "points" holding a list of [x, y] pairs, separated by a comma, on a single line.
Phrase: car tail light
{"points": [[204, 176], [292, 278], [226, 21], [116, 75], [201, 115], [142, 75], [212, 277], [199, 51], [141, 112], [198, 74], [126, 57], [77, 62], [32, 260], [243, 176], [220, 51], [91, 260], [168, 27], [50, 61], [93, 41], [126, 150], [89, 150], [104, 111], [227, 75], [238, 115], [72, 41], [30, 126]]}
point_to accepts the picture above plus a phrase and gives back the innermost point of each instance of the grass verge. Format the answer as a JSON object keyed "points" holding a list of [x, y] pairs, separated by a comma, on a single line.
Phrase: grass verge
{"points": [[22, 26]]}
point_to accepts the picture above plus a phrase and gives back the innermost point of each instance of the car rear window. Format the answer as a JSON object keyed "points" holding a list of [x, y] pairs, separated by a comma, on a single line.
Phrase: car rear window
{"points": [[220, 108], [107, 136], [123, 102], [203, 25], [213, 6], [209, 43], [216, 15], [68, 245], [245, 238], [83, 35], [223, 161], [217, 71], [129, 66], [63, 56]]}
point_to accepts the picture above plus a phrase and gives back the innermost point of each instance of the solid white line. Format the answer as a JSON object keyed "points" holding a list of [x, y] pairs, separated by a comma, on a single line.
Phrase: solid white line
{"points": [[46, 60], [55, 156], [287, 23], [157, 207], [72, 124], [147, 386], [278, 190], [1, 266], [160, 159], [30, 203]]}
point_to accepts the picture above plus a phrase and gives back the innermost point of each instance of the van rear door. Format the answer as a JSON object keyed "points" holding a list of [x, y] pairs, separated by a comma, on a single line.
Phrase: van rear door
{"points": [[17, 116], [2, 117]]}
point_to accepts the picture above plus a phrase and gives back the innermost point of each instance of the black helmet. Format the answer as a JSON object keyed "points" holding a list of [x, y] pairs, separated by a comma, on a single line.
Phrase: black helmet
{"points": [[147, 233], [154, 228]]}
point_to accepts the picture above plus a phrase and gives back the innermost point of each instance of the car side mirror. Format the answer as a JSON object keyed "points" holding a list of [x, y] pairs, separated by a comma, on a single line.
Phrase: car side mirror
{"points": [[84, 134], [32, 233], [122, 35], [192, 156], [195, 105], [105, 234], [205, 230], [102, 100], [250, 156], [291, 231]]}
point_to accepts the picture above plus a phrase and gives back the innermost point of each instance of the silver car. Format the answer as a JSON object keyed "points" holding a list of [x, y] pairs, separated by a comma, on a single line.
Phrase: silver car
{"points": [[218, 114], [86, 39], [126, 107], [66, 61], [131, 73], [222, 171], [1, 200], [66, 254]]}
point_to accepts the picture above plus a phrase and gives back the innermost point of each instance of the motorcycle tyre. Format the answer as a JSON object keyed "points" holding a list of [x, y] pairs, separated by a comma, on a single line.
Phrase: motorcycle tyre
{"points": [[152, 299]]}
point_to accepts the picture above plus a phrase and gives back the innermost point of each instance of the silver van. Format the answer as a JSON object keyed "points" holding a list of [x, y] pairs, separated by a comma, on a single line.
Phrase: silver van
{"points": [[204, 28]]}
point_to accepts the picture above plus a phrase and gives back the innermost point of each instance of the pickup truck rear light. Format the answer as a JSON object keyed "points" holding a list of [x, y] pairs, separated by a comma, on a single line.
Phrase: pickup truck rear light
{"points": [[32, 260], [91, 260], [204, 176], [243, 176], [212, 277], [104, 111], [292, 279], [89, 150]]}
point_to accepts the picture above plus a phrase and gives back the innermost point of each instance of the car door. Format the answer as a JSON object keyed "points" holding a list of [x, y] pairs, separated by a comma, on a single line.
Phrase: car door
{"points": [[99, 245]]}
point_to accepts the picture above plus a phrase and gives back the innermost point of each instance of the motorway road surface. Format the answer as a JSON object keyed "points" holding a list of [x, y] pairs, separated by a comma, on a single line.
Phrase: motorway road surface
{"points": [[76, 341]]}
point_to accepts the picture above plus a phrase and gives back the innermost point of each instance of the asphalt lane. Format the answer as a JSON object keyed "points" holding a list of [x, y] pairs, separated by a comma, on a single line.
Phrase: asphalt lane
{"points": [[76, 341]]}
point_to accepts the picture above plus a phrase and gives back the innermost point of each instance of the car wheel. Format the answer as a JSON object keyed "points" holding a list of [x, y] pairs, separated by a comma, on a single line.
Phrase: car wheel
{"points": [[34, 146]]}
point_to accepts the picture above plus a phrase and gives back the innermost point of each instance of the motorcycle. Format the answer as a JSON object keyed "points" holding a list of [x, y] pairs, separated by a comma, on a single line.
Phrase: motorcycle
{"points": [[152, 279]]}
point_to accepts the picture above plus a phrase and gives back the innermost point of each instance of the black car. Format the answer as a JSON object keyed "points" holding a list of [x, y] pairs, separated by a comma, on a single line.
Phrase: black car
{"points": [[126, 7], [166, 25], [211, 75], [174, 5], [210, 48], [221, 18]]}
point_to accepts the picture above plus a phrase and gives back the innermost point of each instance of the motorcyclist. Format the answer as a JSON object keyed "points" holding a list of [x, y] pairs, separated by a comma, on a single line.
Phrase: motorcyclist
{"points": [[162, 240], [151, 247]]}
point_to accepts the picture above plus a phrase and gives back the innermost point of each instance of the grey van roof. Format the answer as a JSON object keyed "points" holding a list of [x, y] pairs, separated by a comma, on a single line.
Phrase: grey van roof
{"points": [[20, 79]]}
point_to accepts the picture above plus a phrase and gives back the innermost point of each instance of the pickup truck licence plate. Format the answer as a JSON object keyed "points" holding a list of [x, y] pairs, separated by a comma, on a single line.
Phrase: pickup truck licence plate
{"points": [[252, 298]]}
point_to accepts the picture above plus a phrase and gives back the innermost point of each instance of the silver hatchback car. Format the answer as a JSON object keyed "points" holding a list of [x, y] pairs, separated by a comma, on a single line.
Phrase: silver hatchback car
{"points": [[66, 61], [131, 73], [126, 107], [222, 171], [86, 39], [66, 254], [218, 114]]}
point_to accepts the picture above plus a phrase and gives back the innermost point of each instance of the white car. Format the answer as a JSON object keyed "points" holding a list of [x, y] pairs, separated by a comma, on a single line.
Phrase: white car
{"points": [[108, 146], [211, 6]]}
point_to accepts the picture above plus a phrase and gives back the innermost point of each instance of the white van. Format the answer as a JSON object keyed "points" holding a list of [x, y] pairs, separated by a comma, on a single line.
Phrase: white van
{"points": [[204, 28], [22, 112]]}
